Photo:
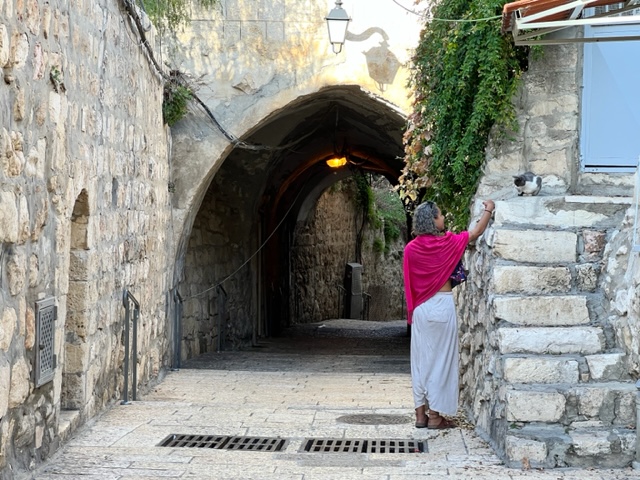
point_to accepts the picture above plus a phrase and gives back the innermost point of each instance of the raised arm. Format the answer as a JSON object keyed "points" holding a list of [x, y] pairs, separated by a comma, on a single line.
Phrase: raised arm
{"points": [[481, 225]]}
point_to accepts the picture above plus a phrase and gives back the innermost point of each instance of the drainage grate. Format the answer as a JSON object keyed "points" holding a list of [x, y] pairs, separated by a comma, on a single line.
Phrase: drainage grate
{"points": [[221, 442], [355, 445]]}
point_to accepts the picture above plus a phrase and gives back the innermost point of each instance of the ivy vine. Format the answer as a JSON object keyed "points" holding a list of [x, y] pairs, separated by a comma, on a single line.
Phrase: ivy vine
{"points": [[464, 77], [172, 14]]}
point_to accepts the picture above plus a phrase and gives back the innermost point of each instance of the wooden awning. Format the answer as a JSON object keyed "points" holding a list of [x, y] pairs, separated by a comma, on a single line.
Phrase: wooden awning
{"points": [[532, 21]]}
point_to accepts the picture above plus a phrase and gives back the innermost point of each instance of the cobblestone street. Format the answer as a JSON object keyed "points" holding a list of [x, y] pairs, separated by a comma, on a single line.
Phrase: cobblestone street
{"points": [[338, 381]]}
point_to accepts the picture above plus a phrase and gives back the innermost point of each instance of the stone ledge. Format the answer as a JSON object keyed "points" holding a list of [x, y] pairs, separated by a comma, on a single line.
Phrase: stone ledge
{"points": [[550, 340], [530, 279], [573, 447], [543, 311], [535, 406], [579, 211], [535, 246], [538, 369]]}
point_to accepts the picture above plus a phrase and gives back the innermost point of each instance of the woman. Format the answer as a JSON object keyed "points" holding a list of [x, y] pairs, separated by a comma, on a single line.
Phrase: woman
{"points": [[429, 261]]}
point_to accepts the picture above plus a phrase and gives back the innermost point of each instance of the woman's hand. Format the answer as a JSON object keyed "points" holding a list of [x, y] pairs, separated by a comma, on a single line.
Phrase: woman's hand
{"points": [[481, 225], [489, 205]]}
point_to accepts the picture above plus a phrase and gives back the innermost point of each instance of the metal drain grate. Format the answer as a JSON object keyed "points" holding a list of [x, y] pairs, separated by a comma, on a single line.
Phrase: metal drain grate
{"points": [[220, 442], [355, 445]]}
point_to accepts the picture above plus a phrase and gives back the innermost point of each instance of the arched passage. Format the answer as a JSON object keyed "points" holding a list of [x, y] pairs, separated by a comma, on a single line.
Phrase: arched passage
{"points": [[236, 276]]}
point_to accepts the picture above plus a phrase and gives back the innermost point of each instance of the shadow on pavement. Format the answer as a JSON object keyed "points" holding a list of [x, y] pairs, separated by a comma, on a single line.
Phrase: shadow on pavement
{"points": [[349, 346]]}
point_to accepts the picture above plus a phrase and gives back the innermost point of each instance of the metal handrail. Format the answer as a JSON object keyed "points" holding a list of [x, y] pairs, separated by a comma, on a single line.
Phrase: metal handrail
{"points": [[342, 292], [366, 301], [127, 298], [177, 329], [222, 313]]}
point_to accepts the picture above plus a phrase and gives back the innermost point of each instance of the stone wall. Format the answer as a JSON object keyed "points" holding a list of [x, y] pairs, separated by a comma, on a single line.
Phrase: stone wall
{"points": [[84, 214], [550, 317], [324, 243]]}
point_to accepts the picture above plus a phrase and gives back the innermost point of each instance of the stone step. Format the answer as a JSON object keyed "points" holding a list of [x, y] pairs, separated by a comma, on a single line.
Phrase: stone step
{"points": [[550, 340], [541, 369], [549, 369], [542, 311], [558, 446], [593, 405], [563, 212], [535, 246], [530, 279]]}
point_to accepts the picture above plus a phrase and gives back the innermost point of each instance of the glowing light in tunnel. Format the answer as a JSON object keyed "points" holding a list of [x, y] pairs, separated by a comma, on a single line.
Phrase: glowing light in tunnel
{"points": [[337, 162]]}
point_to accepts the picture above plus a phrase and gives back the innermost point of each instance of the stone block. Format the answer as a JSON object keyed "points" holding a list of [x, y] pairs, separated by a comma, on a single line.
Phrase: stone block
{"points": [[587, 277], [82, 296], [551, 340], [19, 50], [606, 366], [591, 400], [542, 311], [30, 328], [518, 449], [76, 357], [5, 383], [590, 443], [560, 212], [275, 32], [8, 324], [530, 406], [4, 46], [540, 370], [8, 217], [533, 280], [594, 241], [16, 272], [535, 246], [20, 383]]}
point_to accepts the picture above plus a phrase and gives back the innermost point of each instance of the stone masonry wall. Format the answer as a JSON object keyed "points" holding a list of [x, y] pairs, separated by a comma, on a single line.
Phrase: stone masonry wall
{"points": [[324, 244], [84, 213], [550, 317]]}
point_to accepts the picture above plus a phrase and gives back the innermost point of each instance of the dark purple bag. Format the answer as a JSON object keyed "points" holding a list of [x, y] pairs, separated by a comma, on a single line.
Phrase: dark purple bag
{"points": [[459, 275]]}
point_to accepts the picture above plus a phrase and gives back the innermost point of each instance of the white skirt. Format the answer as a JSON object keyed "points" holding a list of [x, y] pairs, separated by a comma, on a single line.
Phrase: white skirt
{"points": [[434, 354]]}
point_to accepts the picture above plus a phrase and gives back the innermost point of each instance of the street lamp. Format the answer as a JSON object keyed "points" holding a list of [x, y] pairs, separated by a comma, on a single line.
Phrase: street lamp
{"points": [[337, 21], [337, 162]]}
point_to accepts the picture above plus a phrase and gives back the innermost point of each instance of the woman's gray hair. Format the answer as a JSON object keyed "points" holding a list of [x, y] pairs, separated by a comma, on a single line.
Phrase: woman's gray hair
{"points": [[424, 219]]}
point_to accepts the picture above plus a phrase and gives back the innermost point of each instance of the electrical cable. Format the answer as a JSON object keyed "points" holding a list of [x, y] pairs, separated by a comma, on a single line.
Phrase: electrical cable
{"points": [[284, 217]]}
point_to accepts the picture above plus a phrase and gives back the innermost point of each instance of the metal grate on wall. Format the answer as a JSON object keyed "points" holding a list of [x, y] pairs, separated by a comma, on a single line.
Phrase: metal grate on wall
{"points": [[221, 442], [355, 445], [46, 314]]}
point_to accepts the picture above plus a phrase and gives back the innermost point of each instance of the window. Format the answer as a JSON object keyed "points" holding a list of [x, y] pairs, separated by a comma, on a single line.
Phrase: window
{"points": [[610, 131]]}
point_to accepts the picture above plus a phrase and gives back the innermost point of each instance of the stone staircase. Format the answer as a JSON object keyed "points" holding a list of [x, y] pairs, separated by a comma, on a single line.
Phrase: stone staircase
{"points": [[564, 397]]}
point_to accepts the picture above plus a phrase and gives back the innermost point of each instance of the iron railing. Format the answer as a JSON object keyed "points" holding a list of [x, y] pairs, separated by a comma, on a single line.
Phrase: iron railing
{"points": [[177, 329], [222, 314], [127, 299]]}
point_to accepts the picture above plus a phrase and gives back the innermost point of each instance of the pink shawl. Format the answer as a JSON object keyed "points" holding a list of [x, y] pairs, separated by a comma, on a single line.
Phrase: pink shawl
{"points": [[429, 260]]}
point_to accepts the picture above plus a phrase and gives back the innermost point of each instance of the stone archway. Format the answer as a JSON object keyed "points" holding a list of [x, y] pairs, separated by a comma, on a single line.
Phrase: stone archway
{"points": [[236, 267], [76, 350]]}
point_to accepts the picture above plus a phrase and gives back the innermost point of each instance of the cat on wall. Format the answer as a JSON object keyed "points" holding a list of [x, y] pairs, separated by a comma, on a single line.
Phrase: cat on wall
{"points": [[528, 183]]}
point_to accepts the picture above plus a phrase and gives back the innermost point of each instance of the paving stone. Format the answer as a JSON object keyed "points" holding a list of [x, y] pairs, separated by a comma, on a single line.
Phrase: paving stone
{"points": [[121, 444]]}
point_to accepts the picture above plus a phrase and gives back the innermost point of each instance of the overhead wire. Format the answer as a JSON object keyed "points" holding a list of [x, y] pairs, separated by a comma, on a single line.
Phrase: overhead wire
{"points": [[284, 217]]}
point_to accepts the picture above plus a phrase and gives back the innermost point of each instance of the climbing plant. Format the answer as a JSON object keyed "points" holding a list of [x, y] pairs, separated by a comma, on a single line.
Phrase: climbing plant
{"points": [[176, 97], [172, 14], [464, 76]]}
